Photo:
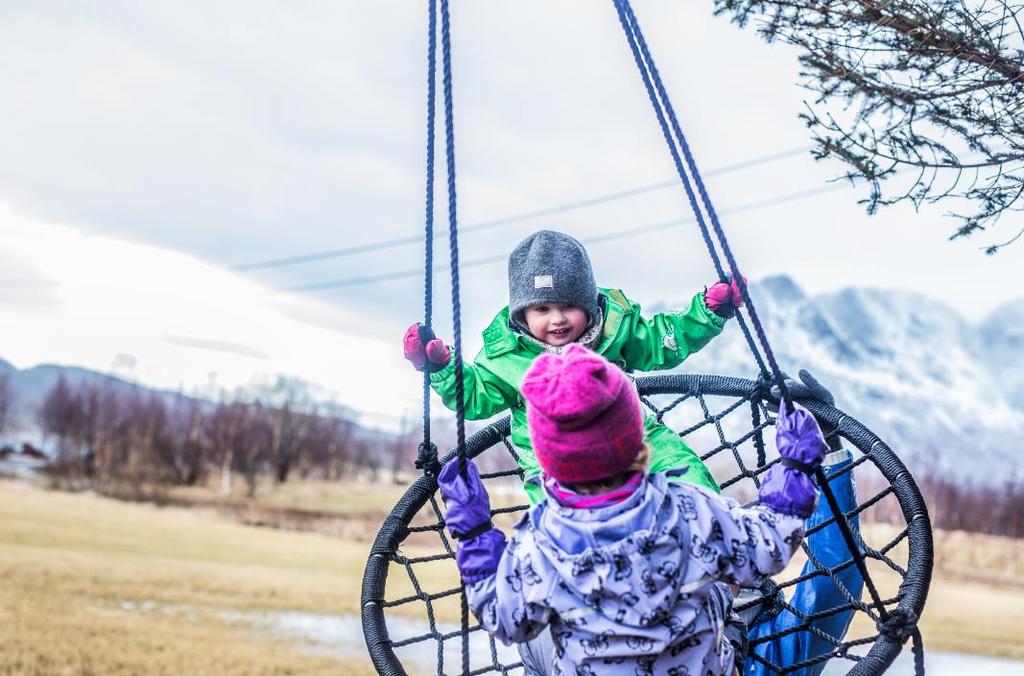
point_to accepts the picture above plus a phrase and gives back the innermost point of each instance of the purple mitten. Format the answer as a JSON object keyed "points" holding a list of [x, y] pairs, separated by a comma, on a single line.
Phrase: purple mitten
{"points": [[468, 515], [477, 558], [467, 506], [787, 486]]}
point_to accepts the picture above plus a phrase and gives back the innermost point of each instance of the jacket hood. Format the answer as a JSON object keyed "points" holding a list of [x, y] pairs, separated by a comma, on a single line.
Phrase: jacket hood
{"points": [[632, 588], [628, 562]]}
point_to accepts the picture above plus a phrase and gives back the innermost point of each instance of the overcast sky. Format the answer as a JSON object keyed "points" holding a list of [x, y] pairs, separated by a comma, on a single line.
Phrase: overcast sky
{"points": [[151, 149]]}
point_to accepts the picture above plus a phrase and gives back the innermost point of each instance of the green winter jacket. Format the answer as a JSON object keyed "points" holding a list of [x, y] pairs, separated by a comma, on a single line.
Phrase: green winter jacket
{"points": [[629, 340]]}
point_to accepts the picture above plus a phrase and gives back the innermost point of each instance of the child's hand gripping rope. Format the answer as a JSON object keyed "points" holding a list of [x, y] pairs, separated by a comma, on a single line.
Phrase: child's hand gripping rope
{"points": [[468, 516], [807, 387], [723, 298], [787, 486], [426, 351]]}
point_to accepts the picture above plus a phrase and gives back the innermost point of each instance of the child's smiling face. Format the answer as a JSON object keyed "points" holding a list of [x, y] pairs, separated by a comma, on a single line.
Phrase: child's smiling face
{"points": [[556, 324]]}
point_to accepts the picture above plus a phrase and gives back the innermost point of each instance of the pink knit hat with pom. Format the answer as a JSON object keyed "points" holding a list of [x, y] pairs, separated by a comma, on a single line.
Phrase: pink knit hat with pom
{"points": [[584, 416]]}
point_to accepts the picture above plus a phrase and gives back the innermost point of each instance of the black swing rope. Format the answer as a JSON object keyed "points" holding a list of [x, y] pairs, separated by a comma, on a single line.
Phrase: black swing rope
{"points": [[427, 459], [676, 143], [453, 242], [898, 626]]}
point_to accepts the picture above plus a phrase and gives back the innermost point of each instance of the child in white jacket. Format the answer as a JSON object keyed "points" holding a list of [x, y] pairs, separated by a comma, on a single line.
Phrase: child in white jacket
{"points": [[620, 564]]}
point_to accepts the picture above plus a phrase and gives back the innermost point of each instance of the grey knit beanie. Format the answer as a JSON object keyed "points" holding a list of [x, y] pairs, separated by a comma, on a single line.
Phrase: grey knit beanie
{"points": [[550, 267]]}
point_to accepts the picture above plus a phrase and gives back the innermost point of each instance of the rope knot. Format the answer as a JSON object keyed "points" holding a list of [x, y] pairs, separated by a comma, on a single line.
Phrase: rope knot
{"points": [[426, 459], [772, 601], [899, 626], [762, 388]]}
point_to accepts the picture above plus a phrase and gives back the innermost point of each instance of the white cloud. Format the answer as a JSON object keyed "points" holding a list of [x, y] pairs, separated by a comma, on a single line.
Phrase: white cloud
{"points": [[178, 321]]}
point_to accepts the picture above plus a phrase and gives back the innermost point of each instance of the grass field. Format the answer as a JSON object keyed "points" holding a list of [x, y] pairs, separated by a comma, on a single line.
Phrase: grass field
{"points": [[979, 611], [80, 571], [73, 565], [351, 497]]}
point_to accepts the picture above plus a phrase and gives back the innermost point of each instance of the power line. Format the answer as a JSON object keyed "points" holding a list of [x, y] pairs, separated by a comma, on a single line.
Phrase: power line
{"points": [[598, 239], [402, 274], [514, 218]]}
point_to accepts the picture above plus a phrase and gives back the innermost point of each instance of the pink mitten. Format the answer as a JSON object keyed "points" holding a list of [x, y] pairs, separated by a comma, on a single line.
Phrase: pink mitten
{"points": [[425, 351], [723, 298]]}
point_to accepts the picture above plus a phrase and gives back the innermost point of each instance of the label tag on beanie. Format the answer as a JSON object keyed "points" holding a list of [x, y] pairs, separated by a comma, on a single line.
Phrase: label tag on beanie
{"points": [[544, 282]]}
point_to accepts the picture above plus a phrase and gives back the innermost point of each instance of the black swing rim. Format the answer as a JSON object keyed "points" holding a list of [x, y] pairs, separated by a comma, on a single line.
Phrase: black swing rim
{"points": [[913, 590]]}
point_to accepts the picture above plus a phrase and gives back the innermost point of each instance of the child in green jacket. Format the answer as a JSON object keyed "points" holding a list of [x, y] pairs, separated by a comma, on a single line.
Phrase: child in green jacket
{"points": [[553, 302]]}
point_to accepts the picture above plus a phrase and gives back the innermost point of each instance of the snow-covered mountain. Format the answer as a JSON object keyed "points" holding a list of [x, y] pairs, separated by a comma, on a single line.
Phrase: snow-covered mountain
{"points": [[946, 394], [29, 387]]}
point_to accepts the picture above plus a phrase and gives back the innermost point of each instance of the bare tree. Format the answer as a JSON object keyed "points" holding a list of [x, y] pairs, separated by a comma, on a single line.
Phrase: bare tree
{"points": [[222, 428], [931, 91], [402, 449], [112, 434], [58, 414], [254, 443], [6, 402], [90, 426], [193, 448], [158, 448], [286, 432], [334, 445], [953, 504]]}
